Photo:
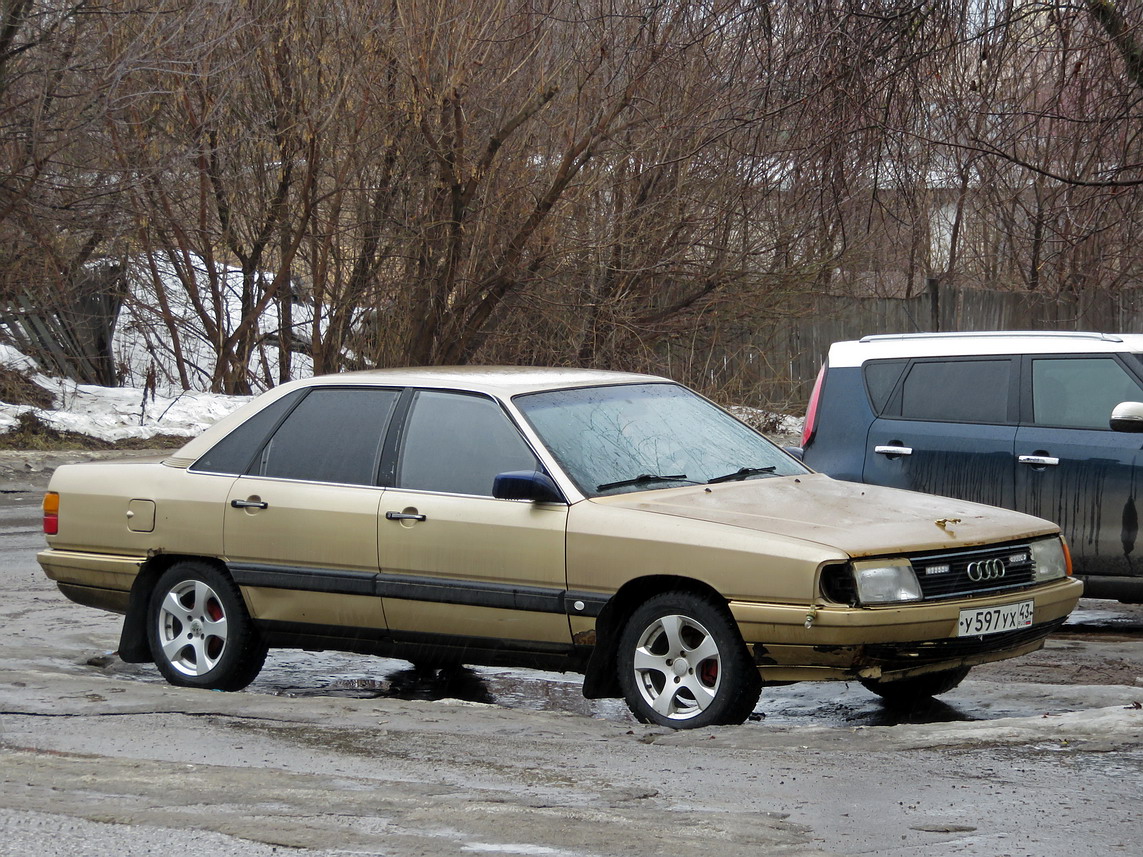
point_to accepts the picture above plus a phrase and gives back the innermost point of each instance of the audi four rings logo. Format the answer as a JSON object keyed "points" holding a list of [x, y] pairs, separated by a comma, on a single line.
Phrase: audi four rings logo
{"points": [[986, 569]]}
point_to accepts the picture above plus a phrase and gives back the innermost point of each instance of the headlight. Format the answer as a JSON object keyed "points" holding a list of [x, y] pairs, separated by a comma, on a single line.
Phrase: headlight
{"points": [[886, 581], [1051, 559]]}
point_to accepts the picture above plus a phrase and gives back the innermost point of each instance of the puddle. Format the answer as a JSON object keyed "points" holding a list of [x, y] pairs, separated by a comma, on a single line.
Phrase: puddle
{"points": [[1100, 616], [294, 673]]}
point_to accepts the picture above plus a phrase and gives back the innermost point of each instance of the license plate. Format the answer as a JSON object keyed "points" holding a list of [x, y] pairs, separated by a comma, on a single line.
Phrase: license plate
{"points": [[995, 620]]}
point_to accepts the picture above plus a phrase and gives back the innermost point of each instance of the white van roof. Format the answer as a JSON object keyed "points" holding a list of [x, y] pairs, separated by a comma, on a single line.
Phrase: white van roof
{"points": [[889, 346]]}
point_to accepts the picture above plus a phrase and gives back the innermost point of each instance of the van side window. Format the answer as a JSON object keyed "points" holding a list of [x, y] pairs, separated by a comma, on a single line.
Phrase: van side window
{"points": [[1077, 392], [964, 391]]}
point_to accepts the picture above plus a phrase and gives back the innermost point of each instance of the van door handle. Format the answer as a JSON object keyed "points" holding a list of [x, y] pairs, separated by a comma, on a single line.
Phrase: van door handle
{"points": [[1038, 460], [893, 450]]}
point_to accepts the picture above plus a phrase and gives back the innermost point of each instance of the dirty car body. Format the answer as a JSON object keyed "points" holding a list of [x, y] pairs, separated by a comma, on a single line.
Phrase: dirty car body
{"points": [[613, 524]]}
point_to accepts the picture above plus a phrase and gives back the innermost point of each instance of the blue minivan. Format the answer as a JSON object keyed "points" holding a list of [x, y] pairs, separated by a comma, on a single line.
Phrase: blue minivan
{"points": [[1044, 423]]}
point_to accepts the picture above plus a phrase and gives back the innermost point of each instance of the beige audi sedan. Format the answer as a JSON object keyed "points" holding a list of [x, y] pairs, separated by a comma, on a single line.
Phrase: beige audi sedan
{"points": [[612, 524]]}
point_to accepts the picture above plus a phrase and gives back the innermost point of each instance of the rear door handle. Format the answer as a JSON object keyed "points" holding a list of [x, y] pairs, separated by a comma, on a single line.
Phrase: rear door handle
{"points": [[893, 450], [1038, 460], [403, 516]]}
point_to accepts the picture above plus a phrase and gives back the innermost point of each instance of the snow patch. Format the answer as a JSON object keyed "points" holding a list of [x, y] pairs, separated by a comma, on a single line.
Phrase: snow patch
{"points": [[116, 413]]}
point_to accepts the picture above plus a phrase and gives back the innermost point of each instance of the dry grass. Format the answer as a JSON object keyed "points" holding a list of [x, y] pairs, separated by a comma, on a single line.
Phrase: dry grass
{"points": [[17, 389], [33, 433]]}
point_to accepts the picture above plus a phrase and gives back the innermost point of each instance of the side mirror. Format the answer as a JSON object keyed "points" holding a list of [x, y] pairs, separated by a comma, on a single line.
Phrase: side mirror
{"points": [[529, 485], [1127, 417]]}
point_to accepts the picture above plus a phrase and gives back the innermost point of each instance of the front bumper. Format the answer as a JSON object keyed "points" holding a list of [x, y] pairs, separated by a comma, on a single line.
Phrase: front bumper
{"points": [[795, 643]]}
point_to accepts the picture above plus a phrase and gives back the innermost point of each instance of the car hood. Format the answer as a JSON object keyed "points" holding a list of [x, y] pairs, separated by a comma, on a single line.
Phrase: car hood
{"points": [[858, 519]]}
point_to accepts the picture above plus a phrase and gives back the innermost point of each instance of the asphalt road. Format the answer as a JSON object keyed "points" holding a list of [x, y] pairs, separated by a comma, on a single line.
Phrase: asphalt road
{"points": [[336, 754]]}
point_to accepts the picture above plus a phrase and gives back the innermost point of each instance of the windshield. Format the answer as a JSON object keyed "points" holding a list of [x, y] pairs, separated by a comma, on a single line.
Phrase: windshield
{"points": [[635, 437]]}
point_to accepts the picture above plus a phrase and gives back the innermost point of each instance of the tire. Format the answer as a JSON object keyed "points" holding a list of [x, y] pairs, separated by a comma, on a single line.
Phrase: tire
{"points": [[682, 664], [907, 691], [199, 631]]}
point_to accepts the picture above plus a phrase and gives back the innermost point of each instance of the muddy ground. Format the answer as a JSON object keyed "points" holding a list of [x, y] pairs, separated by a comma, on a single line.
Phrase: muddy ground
{"points": [[330, 754]]}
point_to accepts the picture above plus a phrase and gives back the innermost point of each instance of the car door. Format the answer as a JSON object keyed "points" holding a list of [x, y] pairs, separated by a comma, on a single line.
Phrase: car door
{"points": [[1071, 468], [456, 562], [300, 528], [947, 426]]}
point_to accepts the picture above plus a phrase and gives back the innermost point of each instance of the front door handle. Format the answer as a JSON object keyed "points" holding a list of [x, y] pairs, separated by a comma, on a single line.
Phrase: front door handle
{"points": [[403, 516], [249, 504], [1038, 460], [893, 450]]}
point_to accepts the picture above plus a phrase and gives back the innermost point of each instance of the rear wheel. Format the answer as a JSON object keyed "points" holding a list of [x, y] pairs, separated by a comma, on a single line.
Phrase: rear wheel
{"points": [[907, 691], [199, 631], [683, 664]]}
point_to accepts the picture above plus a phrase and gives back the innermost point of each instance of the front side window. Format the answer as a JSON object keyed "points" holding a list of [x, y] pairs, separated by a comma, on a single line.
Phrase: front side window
{"points": [[334, 435], [1079, 392], [634, 437], [457, 443], [962, 391]]}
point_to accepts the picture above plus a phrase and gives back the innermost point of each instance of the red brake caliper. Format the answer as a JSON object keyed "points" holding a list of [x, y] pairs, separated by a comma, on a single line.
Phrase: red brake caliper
{"points": [[708, 672]]}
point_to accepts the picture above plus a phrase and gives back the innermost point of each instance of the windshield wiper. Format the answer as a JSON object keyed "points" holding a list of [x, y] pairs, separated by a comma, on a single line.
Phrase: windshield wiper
{"points": [[740, 474], [641, 479]]}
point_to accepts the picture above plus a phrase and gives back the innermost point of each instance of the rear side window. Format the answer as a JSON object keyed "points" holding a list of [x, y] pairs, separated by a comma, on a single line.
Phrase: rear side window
{"points": [[963, 391], [334, 435], [1079, 392], [458, 443]]}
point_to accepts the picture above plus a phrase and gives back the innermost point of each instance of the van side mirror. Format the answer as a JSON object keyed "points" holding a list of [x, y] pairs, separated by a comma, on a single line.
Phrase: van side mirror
{"points": [[526, 485], [1127, 417]]}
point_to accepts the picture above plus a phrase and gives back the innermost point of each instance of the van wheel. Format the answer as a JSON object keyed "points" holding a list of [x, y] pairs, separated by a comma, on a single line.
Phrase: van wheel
{"points": [[907, 691], [682, 663], [199, 631]]}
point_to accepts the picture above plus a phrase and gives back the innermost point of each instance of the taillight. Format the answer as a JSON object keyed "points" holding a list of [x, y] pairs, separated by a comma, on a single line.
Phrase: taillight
{"points": [[811, 424], [51, 513]]}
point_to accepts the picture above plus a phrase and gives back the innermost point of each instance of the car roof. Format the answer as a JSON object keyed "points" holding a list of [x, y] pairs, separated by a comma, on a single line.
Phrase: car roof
{"points": [[498, 381], [501, 381], [970, 343]]}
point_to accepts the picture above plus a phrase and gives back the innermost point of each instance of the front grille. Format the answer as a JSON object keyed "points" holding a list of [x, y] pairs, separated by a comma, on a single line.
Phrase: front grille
{"points": [[997, 567], [904, 655]]}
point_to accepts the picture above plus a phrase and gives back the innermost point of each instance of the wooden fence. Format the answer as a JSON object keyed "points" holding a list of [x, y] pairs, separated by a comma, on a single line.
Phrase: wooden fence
{"points": [[780, 365]]}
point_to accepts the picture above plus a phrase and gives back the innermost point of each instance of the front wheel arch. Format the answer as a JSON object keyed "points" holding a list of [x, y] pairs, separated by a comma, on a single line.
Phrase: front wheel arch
{"points": [[682, 663], [601, 679]]}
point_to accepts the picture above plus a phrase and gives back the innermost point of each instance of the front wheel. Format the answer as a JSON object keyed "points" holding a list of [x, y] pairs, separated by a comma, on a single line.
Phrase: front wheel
{"points": [[199, 631], [683, 664], [907, 691]]}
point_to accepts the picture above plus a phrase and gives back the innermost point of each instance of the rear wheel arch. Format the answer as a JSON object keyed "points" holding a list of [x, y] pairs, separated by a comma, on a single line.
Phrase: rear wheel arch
{"points": [[134, 647], [200, 630]]}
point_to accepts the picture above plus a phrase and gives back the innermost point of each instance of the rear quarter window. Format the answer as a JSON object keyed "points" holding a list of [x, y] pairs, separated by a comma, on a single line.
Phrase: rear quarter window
{"points": [[233, 454], [881, 380]]}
